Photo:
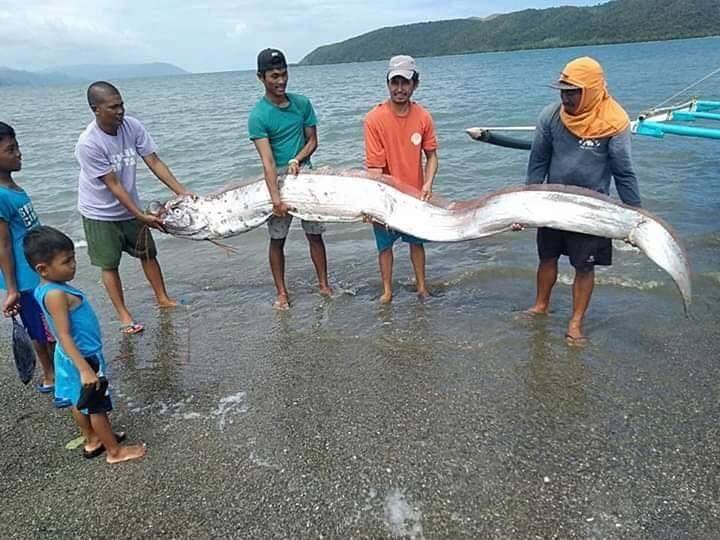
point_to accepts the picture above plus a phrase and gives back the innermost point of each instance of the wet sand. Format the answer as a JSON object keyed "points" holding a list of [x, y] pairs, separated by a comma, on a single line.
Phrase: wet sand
{"points": [[343, 419]]}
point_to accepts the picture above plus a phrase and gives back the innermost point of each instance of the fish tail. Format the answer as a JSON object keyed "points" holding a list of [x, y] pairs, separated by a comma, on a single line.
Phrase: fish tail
{"points": [[663, 247]]}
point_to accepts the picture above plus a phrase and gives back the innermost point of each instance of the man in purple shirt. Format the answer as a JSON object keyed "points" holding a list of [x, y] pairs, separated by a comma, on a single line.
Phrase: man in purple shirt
{"points": [[108, 152]]}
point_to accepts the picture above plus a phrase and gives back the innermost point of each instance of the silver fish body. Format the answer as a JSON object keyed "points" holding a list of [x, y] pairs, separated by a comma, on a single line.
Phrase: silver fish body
{"points": [[221, 215], [342, 198]]}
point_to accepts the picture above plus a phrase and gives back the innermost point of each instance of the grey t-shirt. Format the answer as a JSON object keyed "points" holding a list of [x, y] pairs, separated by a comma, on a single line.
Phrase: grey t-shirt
{"points": [[98, 154], [559, 157]]}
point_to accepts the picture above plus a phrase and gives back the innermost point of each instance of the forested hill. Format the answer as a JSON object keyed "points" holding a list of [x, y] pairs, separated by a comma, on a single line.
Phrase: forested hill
{"points": [[617, 21]]}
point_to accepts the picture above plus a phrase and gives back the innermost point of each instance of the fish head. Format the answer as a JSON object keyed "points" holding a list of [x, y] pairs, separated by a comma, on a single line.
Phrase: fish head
{"points": [[183, 217]]}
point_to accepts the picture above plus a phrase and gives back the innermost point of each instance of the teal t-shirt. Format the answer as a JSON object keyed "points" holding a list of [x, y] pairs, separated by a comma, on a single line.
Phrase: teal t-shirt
{"points": [[284, 127], [17, 211]]}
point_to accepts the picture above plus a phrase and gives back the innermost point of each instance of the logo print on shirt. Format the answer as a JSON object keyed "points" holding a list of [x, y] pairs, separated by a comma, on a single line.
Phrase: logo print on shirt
{"points": [[28, 215], [416, 138], [128, 158], [589, 144]]}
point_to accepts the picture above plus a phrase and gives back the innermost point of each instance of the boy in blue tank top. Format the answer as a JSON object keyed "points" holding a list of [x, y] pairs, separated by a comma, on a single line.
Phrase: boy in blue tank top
{"points": [[79, 362], [17, 278]]}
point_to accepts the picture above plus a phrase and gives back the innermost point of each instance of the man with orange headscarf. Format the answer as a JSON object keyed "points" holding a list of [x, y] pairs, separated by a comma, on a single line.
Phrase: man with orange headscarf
{"points": [[582, 141]]}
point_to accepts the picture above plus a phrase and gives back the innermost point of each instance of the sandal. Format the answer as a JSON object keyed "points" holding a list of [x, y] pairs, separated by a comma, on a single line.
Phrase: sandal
{"points": [[580, 341], [132, 328], [62, 403], [45, 388], [89, 454]]}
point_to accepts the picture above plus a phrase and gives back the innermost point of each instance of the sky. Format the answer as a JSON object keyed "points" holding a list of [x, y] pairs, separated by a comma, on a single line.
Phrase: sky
{"points": [[212, 35]]}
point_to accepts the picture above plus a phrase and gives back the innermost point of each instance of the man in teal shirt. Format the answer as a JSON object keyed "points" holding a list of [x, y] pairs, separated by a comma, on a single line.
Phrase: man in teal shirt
{"points": [[283, 128]]}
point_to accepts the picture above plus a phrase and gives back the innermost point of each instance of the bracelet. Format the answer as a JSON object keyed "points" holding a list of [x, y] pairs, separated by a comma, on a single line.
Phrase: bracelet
{"points": [[293, 160]]}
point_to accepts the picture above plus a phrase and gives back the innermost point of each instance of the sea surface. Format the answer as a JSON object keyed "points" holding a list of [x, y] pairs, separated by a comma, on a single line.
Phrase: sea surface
{"points": [[457, 417]]}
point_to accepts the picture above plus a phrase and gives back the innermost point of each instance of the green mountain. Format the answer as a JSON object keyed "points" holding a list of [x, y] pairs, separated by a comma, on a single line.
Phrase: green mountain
{"points": [[617, 21], [86, 73]]}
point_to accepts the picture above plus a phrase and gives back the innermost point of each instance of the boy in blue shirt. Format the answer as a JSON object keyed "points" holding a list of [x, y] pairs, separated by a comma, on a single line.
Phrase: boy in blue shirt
{"points": [[17, 278], [283, 128], [79, 362]]}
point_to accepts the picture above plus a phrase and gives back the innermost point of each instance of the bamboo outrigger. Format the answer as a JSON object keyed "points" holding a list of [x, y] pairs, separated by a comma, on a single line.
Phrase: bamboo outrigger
{"points": [[657, 122], [652, 123]]}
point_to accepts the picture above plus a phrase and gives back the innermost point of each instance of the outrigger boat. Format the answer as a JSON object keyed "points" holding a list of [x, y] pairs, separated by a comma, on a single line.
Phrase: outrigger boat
{"points": [[657, 122], [652, 123]]}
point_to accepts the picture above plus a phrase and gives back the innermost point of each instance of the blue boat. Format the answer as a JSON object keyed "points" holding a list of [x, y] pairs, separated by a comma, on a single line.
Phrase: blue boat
{"points": [[652, 123], [658, 122]]}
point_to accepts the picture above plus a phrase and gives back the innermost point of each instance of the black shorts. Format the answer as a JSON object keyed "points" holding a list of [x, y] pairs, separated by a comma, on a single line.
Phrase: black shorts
{"points": [[100, 401], [584, 250]]}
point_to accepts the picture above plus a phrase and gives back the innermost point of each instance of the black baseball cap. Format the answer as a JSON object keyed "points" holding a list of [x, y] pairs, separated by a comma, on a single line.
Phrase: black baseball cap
{"points": [[270, 59]]}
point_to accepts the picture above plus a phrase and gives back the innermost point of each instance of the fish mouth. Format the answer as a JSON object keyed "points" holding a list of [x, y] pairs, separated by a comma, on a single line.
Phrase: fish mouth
{"points": [[180, 217]]}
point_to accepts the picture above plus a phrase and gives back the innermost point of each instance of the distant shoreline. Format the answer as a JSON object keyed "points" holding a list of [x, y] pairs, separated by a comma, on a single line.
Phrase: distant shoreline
{"points": [[296, 65], [613, 44], [85, 73], [519, 49]]}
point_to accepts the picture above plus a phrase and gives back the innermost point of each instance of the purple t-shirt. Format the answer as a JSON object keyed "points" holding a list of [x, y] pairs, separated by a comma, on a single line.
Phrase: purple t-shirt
{"points": [[99, 153]]}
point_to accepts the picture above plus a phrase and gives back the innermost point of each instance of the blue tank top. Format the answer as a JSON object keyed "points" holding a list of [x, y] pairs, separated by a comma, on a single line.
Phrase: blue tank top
{"points": [[84, 324]]}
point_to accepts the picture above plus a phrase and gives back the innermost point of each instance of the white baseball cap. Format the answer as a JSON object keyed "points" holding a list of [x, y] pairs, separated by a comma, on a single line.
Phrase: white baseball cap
{"points": [[401, 65]]}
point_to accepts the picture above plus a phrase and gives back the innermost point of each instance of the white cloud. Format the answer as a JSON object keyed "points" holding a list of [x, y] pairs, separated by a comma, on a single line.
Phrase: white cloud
{"points": [[238, 30], [43, 33]]}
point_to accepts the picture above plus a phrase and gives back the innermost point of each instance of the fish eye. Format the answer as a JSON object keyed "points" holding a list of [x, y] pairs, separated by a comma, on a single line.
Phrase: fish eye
{"points": [[177, 211]]}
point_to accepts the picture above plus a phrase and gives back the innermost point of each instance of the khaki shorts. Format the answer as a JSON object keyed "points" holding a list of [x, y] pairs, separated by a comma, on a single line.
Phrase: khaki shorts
{"points": [[279, 227], [108, 239]]}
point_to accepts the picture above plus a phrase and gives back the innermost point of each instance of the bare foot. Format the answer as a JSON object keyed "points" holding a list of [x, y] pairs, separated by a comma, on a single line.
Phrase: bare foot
{"points": [[537, 310], [423, 294], [325, 290], [282, 302], [386, 298], [167, 303], [126, 453]]}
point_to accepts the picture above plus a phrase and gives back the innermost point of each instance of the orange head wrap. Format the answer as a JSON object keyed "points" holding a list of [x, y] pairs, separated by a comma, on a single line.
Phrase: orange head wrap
{"points": [[598, 114]]}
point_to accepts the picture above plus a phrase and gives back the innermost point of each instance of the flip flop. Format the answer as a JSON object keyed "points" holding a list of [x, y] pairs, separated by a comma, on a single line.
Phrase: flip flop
{"points": [[90, 454], [76, 443], [132, 328], [284, 306], [61, 403], [45, 388], [576, 341]]}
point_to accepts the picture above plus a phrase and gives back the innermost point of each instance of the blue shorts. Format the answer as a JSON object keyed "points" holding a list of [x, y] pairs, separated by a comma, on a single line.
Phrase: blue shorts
{"points": [[386, 237], [33, 319]]}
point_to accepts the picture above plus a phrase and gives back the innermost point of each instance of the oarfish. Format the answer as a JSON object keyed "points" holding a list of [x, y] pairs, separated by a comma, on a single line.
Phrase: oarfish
{"points": [[346, 198]]}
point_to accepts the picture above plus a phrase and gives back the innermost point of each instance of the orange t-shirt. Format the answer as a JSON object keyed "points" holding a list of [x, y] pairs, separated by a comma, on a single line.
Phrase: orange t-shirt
{"points": [[395, 143]]}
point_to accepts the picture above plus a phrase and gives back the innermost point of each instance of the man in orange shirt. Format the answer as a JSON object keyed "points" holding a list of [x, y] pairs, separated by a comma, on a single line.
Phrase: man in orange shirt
{"points": [[397, 133]]}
